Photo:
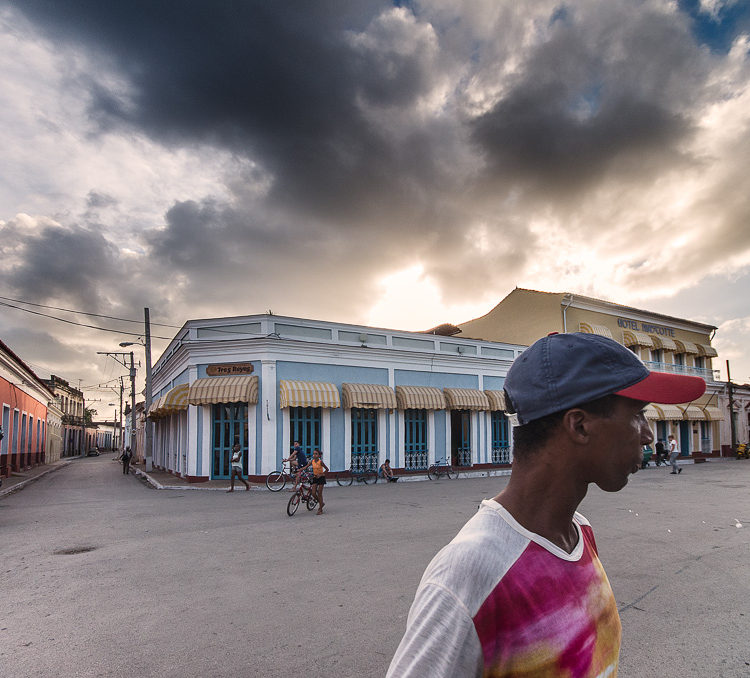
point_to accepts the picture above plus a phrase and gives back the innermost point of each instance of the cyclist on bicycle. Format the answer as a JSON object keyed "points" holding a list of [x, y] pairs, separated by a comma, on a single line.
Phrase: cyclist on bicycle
{"points": [[297, 460]]}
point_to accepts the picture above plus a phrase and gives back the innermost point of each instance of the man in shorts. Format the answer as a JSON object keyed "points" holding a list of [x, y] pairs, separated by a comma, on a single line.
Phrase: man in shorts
{"points": [[521, 591]]}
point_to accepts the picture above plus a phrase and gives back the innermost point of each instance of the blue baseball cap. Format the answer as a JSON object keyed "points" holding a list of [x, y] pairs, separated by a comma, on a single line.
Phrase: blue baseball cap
{"points": [[561, 371]]}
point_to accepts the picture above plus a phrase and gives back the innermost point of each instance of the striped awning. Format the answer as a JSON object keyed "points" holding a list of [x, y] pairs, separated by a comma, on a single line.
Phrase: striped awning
{"points": [[497, 400], [601, 330], [419, 398], [713, 413], [374, 396], [466, 399], [308, 394], [692, 413], [663, 342], [633, 338], [686, 347], [652, 413], [154, 412], [211, 390], [668, 412], [707, 351], [175, 400]]}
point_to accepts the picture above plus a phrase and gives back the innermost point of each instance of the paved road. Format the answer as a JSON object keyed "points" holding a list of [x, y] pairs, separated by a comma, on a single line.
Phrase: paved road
{"points": [[181, 583]]}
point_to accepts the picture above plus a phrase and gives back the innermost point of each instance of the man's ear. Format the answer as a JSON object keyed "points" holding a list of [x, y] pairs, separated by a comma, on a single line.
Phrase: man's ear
{"points": [[576, 426]]}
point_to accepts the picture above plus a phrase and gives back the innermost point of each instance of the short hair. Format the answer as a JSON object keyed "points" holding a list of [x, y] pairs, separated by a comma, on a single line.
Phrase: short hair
{"points": [[387, 461], [530, 437]]}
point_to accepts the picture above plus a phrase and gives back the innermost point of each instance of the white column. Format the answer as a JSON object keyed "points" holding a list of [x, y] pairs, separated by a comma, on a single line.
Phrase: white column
{"points": [[269, 413], [448, 440], [206, 446], [347, 438], [401, 438], [252, 415], [382, 449], [191, 443]]}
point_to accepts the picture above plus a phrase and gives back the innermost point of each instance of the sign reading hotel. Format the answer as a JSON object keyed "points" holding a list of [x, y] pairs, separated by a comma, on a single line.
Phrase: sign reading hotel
{"points": [[229, 369], [645, 327]]}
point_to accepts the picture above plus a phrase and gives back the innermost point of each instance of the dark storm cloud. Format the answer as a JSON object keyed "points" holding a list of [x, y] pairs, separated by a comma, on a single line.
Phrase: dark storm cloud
{"points": [[603, 88], [277, 82], [42, 260]]}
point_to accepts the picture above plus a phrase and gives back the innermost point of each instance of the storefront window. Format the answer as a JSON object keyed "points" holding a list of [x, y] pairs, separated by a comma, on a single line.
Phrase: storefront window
{"points": [[500, 442], [415, 439], [364, 439], [304, 426]]}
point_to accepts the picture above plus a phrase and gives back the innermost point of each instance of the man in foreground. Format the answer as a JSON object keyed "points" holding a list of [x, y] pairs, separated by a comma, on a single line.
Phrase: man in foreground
{"points": [[520, 591]]}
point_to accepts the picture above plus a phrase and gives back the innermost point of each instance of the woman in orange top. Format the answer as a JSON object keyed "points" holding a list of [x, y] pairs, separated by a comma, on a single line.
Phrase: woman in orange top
{"points": [[319, 470]]}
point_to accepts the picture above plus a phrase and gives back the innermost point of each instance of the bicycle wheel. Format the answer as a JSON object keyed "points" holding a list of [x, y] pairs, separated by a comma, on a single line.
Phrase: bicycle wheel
{"points": [[433, 473], [293, 505], [276, 481], [312, 502], [370, 477], [345, 480], [451, 472]]}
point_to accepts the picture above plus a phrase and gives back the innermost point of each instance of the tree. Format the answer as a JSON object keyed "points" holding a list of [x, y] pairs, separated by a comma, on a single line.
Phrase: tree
{"points": [[88, 416]]}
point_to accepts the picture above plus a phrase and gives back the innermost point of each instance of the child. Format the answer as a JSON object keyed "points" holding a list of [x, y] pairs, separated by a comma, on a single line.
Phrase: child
{"points": [[297, 461], [319, 470]]}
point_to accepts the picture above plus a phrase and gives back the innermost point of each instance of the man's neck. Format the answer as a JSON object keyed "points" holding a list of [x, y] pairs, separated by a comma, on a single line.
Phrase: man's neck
{"points": [[543, 500]]}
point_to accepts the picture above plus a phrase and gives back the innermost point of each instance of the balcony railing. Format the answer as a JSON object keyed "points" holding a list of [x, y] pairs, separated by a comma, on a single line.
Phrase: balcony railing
{"points": [[706, 374]]}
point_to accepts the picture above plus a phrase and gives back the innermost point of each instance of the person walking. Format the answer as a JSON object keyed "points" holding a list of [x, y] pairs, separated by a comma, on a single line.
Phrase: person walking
{"points": [[674, 452], [126, 456], [521, 591], [237, 468]]}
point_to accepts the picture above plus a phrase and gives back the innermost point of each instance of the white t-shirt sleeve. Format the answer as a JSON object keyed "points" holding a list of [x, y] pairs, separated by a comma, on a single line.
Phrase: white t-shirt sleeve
{"points": [[440, 639]]}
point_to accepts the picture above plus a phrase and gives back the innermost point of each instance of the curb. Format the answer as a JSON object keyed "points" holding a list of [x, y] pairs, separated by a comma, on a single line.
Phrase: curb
{"points": [[24, 483]]}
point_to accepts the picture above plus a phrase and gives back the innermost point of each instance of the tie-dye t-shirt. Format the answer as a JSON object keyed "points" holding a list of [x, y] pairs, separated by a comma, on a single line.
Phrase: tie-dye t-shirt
{"points": [[501, 601]]}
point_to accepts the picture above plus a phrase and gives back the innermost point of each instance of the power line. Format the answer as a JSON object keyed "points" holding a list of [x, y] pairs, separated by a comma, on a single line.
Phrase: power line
{"points": [[72, 322], [95, 315]]}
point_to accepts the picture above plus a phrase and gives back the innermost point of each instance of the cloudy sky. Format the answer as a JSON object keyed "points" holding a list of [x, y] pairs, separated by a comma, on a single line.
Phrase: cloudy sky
{"points": [[392, 164]]}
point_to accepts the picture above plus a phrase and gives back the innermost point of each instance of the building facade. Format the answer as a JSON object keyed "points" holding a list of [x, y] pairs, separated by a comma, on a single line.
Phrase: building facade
{"points": [[70, 400], [359, 394], [664, 343], [54, 432], [23, 405]]}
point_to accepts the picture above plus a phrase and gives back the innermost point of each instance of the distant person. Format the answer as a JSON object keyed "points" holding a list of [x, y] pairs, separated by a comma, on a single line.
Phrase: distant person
{"points": [[521, 590], [385, 471], [674, 452], [237, 468], [126, 456], [660, 453]]}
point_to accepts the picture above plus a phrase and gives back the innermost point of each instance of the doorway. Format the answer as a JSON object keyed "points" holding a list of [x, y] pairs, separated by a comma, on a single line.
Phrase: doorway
{"points": [[460, 438]]}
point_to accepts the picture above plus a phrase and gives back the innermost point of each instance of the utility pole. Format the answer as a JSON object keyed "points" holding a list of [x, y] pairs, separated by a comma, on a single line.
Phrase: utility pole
{"points": [[121, 358], [731, 411], [119, 445], [149, 456]]}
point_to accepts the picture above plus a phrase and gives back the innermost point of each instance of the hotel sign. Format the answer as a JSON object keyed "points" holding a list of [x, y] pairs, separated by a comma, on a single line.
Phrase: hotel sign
{"points": [[628, 324], [229, 369]]}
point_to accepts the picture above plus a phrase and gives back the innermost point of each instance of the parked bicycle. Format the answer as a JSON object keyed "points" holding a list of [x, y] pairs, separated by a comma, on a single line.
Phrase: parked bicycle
{"points": [[368, 477], [303, 494], [277, 480], [441, 468]]}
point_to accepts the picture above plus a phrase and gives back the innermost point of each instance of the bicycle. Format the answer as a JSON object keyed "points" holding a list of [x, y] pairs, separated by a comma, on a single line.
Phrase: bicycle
{"points": [[368, 477], [441, 468], [277, 480], [303, 493]]}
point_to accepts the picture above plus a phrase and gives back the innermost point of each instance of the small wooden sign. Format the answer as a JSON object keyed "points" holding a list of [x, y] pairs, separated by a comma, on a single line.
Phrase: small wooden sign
{"points": [[229, 369]]}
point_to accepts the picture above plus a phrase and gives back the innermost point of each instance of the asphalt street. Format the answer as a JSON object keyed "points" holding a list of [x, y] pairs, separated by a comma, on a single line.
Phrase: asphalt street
{"points": [[104, 576]]}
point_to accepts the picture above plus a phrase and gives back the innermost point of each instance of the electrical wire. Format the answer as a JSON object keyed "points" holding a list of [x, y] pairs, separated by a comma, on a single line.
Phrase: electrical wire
{"points": [[95, 315], [73, 322]]}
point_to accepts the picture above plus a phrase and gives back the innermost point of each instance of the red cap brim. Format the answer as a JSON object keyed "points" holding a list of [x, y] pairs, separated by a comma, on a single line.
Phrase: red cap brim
{"points": [[668, 389]]}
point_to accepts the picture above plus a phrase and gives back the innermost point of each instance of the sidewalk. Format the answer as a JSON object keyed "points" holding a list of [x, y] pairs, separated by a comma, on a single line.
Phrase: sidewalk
{"points": [[162, 480], [20, 480]]}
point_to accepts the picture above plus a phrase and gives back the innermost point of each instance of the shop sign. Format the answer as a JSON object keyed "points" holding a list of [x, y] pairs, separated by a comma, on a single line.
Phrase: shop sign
{"points": [[229, 369], [628, 324]]}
